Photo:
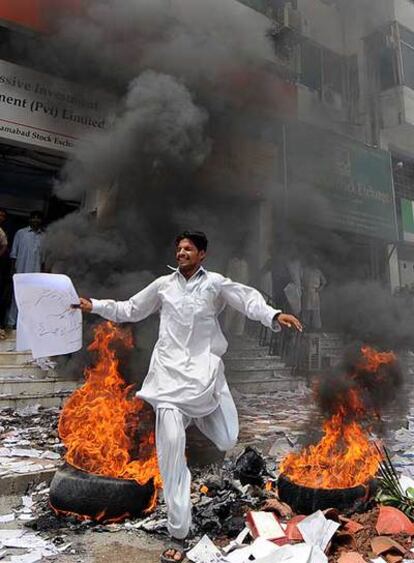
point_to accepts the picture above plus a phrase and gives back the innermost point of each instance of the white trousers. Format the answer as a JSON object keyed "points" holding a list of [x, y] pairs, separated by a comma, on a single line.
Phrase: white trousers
{"points": [[221, 427]]}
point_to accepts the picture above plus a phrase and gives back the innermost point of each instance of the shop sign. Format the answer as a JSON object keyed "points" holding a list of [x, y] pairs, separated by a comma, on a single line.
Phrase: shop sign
{"points": [[36, 14], [351, 183], [47, 112]]}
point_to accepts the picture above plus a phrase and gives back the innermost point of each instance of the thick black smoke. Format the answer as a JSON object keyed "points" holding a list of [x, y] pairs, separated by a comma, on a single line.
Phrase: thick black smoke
{"points": [[163, 63], [363, 387], [166, 64]]}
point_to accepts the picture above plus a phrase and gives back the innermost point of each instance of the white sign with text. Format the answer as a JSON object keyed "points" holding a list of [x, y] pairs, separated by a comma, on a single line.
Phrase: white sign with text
{"points": [[45, 111], [48, 323]]}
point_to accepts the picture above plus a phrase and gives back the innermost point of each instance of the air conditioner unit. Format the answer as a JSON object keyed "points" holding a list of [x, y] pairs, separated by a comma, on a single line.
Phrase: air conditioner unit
{"points": [[292, 18]]}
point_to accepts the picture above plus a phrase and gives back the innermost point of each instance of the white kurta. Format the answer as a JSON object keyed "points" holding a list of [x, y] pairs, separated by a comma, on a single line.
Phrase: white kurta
{"points": [[186, 370], [26, 250]]}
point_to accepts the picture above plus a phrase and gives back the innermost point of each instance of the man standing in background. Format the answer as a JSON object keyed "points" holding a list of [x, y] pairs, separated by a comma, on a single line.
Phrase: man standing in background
{"points": [[26, 255], [238, 271], [4, 282], [313, 283]]}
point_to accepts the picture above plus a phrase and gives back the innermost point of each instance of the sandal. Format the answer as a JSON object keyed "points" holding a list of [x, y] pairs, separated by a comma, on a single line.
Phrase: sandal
{"points": [[164, 558]]}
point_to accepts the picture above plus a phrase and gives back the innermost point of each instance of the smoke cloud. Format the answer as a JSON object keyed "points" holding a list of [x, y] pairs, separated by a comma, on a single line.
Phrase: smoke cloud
{"points": [[169, 66]]}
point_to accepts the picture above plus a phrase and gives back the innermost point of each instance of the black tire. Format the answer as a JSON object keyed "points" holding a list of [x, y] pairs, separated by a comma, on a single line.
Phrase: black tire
{"points": [[79, 492], [305, 500]]}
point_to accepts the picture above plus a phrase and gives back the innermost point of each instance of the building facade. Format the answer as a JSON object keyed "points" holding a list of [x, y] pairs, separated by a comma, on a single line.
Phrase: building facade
{"points": [[323, 150], [352, 63], [42, 116]]}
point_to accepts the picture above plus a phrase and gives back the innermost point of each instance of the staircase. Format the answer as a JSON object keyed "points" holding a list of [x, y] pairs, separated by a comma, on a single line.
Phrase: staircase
{"points": [[249, 369], [23, 382]]}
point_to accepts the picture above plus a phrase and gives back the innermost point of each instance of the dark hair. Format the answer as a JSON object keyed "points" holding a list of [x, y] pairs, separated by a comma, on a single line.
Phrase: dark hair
{"points": [[198, 238], [3, 210], [36, 214]]}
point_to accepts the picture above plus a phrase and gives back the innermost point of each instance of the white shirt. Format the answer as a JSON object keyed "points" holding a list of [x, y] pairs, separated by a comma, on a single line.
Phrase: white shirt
{"points": [[26, 250], [3, 238], [186, 371]]}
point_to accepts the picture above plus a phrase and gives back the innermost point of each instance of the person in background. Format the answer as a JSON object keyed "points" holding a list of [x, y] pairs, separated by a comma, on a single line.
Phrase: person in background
{"points": [[4, 263], [313, 283], [26, 255], [238, 271]]}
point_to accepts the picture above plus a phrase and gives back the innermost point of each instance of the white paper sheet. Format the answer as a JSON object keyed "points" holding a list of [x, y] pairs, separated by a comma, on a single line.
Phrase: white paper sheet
{"points": [[237, 542], [32, 557], [260, 551], [318, 530], [50, 327], [22, 339], [205, 552], [299, 553]]}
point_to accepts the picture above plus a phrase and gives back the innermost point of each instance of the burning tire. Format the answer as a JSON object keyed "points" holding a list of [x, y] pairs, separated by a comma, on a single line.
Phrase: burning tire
{"points": [[97, 497], [306, 500]]}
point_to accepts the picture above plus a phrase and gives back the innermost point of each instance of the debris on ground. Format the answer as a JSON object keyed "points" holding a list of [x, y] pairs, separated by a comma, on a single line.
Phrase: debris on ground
{"points": [[220, 494], [29, 440]]}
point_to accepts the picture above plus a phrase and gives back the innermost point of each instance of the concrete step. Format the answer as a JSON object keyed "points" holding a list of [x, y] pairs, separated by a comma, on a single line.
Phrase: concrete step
{"points": [[21, 400], [263, 362], [8, 345], [15, 358], [255, 374], [13, 370], [252, 354], [19, 386], [264, 386]]}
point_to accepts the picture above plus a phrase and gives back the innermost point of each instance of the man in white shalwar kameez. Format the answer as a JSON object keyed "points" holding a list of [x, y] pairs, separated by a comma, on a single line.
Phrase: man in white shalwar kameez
{"points": [[185, 381]]}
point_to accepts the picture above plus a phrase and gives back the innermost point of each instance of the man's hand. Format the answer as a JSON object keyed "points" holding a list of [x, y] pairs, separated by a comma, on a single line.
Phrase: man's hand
{"points": [[290, 321], [85, 305]]}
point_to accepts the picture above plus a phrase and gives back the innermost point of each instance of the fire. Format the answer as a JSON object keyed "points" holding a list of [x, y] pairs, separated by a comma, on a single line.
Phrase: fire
{"points": [[99, 422], [372, 360], [345, 456]]}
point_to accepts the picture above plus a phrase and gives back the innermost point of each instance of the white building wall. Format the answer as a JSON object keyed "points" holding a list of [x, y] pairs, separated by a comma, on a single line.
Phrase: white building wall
{"points": [[322, 24], [404, 13]]}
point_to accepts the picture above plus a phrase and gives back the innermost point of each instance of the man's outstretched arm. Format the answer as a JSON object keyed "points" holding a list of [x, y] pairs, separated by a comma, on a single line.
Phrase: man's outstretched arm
{"points": [[251, 303], [135, 309]]}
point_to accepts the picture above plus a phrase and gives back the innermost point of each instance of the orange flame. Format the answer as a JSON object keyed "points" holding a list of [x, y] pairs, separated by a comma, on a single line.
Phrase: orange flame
{"points": [[372, 360], [99, 422], [345, 456], [100, 517]]}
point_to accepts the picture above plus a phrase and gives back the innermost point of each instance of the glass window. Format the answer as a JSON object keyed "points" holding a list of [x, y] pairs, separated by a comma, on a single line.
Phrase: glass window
{"points": [[406, 36], [382, 55], [407, 55], [386, 67], [311, 65], [332, 71]]}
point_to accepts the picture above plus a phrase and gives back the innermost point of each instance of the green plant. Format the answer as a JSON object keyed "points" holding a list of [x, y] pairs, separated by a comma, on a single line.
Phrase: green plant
{"points": [[390, 492]]}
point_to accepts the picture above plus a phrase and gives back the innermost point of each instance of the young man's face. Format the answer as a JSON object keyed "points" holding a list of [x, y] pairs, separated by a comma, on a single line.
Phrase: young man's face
{"points": [[35, 222], [187, 254]]}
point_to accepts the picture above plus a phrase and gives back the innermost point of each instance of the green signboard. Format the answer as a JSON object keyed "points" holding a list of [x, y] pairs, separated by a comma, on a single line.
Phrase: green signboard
{"points": [[341, 184], [258, 5]]}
